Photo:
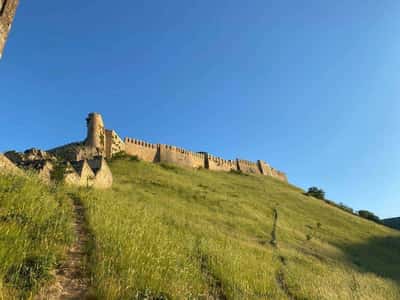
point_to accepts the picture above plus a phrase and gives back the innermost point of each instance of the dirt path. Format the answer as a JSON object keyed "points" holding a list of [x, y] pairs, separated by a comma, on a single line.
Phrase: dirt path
{"points": [[71, 281]]}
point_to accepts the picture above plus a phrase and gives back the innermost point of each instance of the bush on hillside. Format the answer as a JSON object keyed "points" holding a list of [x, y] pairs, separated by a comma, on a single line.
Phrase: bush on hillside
{"points": [[346, 208], [341, 206], [369, 215], [316, 192], [58, 173], [123, 156], [238, 172]]}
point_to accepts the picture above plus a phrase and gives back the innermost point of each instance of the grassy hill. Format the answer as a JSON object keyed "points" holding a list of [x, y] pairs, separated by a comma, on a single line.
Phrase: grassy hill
{"points": [[164, 232], [35, 231]]}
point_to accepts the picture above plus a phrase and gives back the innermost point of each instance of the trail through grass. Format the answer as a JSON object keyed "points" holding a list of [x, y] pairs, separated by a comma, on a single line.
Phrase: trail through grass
{"points": [[172, 233], [71, 279]]}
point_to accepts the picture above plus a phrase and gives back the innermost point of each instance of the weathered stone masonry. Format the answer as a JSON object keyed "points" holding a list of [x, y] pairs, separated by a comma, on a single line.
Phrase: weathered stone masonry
{"points": [[86, 165], [92, 172], [101, 141], [8, 9]]}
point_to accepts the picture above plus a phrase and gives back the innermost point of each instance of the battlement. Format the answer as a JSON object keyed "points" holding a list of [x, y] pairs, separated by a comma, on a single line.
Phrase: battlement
{"points": [[140, 143], [143, 150], [101, 142], [219, 164], [88, 157], [246, 166], [180, 156], [182, 151], [165, 153]]}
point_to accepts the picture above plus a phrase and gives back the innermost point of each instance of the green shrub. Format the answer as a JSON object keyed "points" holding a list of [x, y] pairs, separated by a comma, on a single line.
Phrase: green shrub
{"points": [[316, 192], [237, 172], [58, 173], [369, 215], [345, 207], [123, 156], [170, 167]]}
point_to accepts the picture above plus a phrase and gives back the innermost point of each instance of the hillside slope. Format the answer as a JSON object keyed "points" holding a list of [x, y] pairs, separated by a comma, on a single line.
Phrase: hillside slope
{"points": [[35, 232], [393, 222], [167, 232]]}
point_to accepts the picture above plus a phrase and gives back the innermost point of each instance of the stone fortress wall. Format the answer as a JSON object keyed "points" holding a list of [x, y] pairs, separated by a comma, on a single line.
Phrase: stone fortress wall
{"points": [[86, 165], [215, 163], [248, 167], [161, 153], [181, 157], [8, 9], [143, 150]]}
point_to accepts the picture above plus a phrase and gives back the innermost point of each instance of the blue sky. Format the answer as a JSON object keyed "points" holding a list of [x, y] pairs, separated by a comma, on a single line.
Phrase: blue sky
{"points": [[312, 87]]}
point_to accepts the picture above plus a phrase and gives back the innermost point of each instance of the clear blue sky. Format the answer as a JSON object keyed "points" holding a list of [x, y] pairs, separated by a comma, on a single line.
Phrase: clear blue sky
{"points": [[312, 87]]}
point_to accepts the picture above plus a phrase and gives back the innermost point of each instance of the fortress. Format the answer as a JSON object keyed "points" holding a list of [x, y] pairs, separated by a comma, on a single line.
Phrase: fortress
{"points": [[106, 143], [84, 163], [8, 9]]}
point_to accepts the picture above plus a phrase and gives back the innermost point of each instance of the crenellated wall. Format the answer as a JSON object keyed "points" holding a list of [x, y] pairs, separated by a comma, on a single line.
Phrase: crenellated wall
{"points": [[179, 156], [248, 167], [219, 164], [171, 154], [143, 150], [106, 143]]}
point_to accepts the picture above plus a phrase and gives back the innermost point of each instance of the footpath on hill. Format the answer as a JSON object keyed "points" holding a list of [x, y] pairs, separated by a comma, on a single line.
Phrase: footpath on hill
{"points": [[71, 279]]}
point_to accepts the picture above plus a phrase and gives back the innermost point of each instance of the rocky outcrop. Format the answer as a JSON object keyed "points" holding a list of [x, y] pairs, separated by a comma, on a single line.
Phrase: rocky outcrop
{"points": [[103, 175], [92, 172], [6, 166]]}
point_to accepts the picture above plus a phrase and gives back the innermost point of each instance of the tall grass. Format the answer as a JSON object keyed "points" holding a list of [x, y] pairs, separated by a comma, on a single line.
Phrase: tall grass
{"points": [[35, 229], [174, 233]]}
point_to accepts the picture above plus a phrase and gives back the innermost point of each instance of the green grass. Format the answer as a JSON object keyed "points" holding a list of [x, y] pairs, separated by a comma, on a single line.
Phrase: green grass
{"points": [[167, 232], [164, 232], [35, 229]]}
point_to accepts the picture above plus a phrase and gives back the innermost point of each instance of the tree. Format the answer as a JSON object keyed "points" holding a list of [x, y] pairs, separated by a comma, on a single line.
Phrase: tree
{"points": [[316, 192], [369, 215]]}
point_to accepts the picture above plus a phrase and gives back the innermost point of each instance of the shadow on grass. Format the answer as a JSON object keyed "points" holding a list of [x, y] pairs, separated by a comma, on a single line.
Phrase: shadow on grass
{"points": [[380, 256]]}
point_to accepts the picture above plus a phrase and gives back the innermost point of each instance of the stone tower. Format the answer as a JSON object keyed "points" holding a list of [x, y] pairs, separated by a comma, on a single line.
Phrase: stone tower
{"points": [[8, 9], [95, 133]]}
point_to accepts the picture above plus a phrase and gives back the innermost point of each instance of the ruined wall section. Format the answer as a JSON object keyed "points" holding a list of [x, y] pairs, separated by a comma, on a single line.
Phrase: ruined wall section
{"points": [[143, 150], [6, 166], [103, 177], [8, 9], [74, 152], [265, 168], [71, 176], [181, 157], [281, 176], [215, 163], [248, 167], [114, 143]]}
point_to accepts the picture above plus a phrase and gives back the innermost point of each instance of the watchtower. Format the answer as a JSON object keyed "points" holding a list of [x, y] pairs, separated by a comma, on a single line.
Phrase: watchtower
{"points": [[95, 132], [8, 9]]}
